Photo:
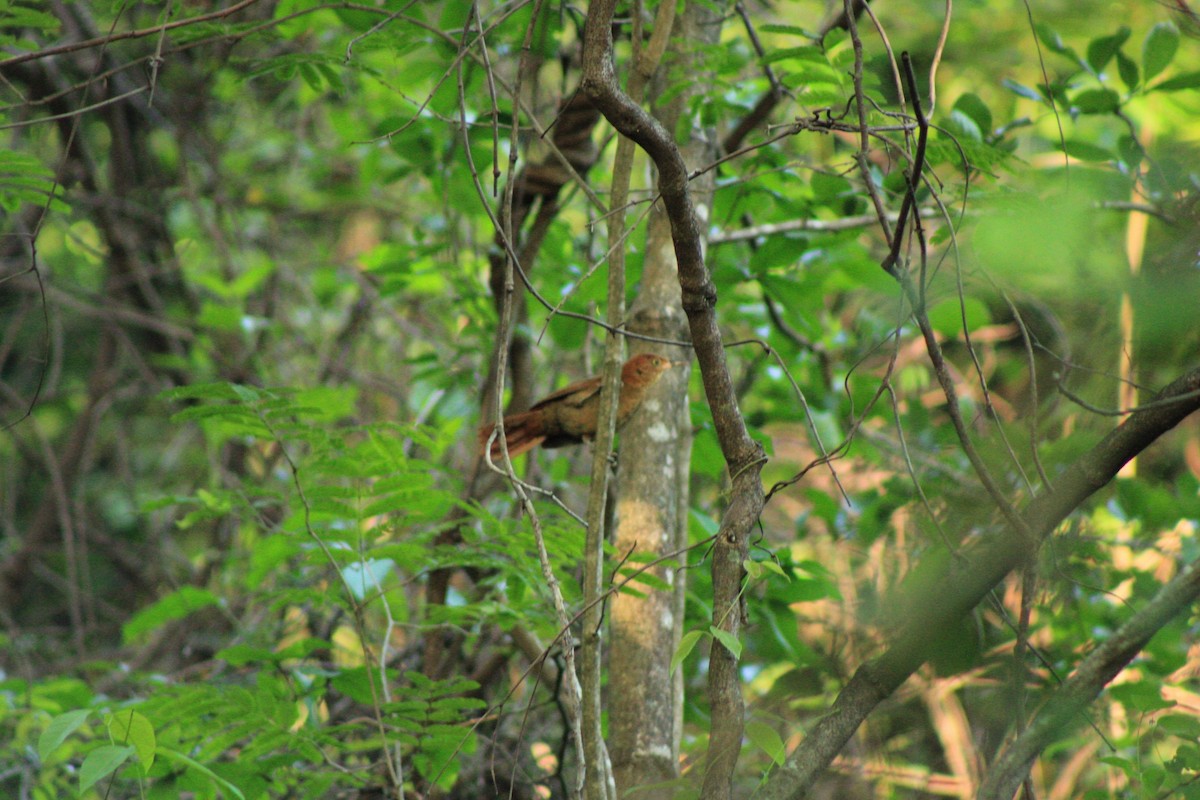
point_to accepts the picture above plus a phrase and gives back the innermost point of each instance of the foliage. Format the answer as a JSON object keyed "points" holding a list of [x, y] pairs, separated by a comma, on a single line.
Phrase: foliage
{"points": [[248, 266]]}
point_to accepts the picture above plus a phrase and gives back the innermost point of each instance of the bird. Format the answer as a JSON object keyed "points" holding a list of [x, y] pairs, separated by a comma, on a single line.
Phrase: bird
{"points": [[568, 416]]}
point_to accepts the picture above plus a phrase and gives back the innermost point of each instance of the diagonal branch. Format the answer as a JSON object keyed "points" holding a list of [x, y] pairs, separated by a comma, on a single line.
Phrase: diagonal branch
{"points": [[941, 590], [1088, 680]]}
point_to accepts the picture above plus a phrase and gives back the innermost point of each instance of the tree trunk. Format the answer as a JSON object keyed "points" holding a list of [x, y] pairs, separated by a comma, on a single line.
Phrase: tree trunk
{"points": [[645, 703]]}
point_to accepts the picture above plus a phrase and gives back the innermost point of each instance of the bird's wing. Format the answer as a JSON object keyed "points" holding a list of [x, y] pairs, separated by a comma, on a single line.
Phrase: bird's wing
{"points": [[576, 394]]}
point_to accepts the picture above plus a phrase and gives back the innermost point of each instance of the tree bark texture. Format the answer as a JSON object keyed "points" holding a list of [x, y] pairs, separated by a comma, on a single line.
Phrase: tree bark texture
{"points": [[743, 455], [645, 716]]}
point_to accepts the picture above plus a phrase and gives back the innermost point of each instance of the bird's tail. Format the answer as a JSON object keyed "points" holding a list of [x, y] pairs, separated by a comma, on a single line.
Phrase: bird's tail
{"points": [[523, 431]]}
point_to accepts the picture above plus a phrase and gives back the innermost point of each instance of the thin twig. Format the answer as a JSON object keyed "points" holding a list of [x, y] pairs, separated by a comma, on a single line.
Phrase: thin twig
{"points": [[100, 41], [918, 165]]}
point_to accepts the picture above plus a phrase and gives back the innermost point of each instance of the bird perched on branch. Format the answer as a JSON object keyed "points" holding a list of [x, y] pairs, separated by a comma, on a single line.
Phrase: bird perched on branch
{"points": [[569, 415]]}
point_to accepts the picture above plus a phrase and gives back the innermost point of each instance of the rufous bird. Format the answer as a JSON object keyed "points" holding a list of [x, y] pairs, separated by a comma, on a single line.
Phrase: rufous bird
{"points": [[568, 416]]}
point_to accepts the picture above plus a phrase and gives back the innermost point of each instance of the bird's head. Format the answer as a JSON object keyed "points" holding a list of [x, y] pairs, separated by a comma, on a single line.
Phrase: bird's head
{"points": [[644, 369]]}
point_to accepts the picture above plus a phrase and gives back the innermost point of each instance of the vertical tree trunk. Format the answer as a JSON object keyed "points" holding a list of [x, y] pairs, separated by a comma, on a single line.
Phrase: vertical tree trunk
{"points": [[645, 705]]}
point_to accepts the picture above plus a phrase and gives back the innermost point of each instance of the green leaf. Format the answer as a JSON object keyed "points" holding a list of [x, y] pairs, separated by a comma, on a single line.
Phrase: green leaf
{"points": [[1100, 51], [753, 569], [687, 643], [329, 403], [817, 93], [806, 53], [1021, 90], [24, 179], [1128, 70], [965, 127], [1156, 507], [1140, 697], [1159, 48], [17, 16], [1131, 151], [947, 316], [439, 755], [791, 29], [777, 253], [1123, 764], [128, 727], [819, 572], [240, 655], [1096, 101], [1184, 726], [1086, 152], [1188, 80], [355, 683], [1055, 44], [200, 391], [767, 565], [220, 317], [827, 187], [804, 589], [767, 739], [58, 730], [976, 110], [176, 756], [701, 525], [100, 763], [797, 297], [726, 638], [176, 605]]}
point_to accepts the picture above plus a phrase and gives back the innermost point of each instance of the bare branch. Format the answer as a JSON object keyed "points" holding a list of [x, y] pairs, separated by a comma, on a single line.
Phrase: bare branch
{"points": [[942, 590]]}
